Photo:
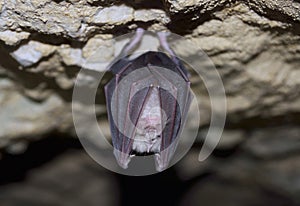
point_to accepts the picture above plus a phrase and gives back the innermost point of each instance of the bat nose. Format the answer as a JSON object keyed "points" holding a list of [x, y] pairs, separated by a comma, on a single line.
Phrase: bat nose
{"points": [[150, 129], [151, 133]]}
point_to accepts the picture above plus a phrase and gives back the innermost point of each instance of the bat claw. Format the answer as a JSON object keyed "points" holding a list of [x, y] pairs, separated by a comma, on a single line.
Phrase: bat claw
{"points": [[133, 42], [162, 37], [140, 30]]}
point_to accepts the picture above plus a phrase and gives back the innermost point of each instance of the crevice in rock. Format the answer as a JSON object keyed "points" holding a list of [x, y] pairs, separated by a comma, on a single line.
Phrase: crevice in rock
{"points": [[145, 4], [293, 28], [136, 4], [178, 23], [276, 15], [56, 40], [123, 29], [103, 3], [58, 1]]}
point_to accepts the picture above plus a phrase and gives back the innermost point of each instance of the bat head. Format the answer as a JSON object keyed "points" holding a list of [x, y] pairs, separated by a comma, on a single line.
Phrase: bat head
{"points": [[150, 125]]}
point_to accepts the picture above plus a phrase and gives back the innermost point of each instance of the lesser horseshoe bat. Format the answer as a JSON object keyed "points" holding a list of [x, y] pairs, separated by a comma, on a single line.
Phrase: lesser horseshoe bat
{"points": [[146, 116]]}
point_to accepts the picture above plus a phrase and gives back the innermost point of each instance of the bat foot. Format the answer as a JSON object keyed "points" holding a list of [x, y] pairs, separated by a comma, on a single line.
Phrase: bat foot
{"points": [[140, 31], [133, 43], [162, 37]]}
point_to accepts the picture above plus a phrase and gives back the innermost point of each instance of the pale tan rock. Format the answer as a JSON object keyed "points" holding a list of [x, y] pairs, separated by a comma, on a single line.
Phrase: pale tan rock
{"points": [[99, 47], [48, 17], [32, 52], [30, 119], [151, 15], [114, 15], [70, 56], [190, 5], [12, 38]]}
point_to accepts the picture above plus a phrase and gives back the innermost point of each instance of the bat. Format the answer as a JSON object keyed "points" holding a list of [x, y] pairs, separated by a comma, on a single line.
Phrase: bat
{"points": [[147, 102]]}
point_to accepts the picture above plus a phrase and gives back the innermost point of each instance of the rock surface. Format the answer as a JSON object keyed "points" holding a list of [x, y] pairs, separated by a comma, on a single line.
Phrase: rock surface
{"points": [[255, 46], [256, 52]]}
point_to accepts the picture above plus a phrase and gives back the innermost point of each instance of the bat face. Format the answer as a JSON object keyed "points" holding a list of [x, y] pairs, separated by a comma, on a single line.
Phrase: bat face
{"points": [[149, 126], [148, 111]]}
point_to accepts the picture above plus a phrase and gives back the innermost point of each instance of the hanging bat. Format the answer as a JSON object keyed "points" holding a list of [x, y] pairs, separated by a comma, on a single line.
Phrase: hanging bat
{"points": [[148, 111]]}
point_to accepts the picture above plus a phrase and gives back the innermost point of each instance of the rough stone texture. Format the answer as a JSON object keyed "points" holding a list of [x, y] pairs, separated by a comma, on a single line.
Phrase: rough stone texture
{"points": [[31, 53], [12, 38], [254, 44]]}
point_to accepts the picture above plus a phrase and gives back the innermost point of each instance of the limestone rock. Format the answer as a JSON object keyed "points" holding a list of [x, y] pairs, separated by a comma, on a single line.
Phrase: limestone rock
{"points": [[254, 45], [151, 15], [21, 117], [32, 53], [12, 38], [108, 15]]}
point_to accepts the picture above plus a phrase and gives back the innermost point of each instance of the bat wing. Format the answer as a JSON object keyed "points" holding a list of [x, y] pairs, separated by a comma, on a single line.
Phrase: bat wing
{"points": [[126, 104], [175, 102]]}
